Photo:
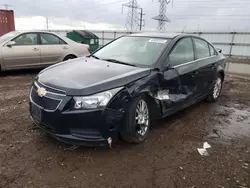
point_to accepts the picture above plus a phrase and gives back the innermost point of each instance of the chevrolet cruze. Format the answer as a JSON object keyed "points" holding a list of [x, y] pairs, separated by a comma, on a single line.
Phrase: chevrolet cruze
{"points": [[122, 87]]}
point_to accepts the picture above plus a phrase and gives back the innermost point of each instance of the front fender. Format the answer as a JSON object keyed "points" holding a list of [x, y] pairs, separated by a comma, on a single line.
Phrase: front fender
{"points": [[148, 87]]}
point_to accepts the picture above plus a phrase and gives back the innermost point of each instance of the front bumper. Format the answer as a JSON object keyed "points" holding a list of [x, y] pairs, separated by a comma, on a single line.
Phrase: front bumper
{"points": [[78, 127]]}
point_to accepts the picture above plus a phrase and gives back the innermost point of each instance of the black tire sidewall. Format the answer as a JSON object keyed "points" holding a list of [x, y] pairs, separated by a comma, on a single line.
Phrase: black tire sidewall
{"points": [[129, 133]]}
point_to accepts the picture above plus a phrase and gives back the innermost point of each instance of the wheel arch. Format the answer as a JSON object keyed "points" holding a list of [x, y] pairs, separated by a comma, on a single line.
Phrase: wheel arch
{"points": [[153, 104], [222, 74], [69, 55], [221, 71]]}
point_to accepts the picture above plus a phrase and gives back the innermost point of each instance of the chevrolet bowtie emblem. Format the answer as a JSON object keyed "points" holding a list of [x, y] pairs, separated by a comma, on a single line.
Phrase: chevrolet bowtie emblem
{"points": [[41, 91]]}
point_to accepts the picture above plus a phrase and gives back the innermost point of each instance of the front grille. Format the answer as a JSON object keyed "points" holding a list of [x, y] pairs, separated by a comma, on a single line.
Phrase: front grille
{"points": [[44, 102], [49, 89]]}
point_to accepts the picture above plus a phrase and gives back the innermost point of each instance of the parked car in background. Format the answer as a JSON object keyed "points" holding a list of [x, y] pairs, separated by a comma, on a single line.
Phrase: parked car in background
{"points": [[120, 88], [33, 49]]}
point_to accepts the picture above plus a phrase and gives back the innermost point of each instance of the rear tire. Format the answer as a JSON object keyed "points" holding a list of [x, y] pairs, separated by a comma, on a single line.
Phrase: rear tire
{"points": [[68, 57], [137, 121], [216, 91]]}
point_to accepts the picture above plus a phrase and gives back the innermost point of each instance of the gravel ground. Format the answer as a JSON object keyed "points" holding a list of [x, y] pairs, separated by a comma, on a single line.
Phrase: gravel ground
{"points": [[169, 157]]}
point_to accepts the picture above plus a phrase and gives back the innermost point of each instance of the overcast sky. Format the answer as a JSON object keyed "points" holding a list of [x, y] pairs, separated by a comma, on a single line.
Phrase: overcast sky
{"points": [[195, 15]]}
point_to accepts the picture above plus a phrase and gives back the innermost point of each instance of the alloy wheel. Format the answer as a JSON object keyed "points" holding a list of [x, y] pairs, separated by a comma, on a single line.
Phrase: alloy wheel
{"points": [[217, 88], [142, 117]]}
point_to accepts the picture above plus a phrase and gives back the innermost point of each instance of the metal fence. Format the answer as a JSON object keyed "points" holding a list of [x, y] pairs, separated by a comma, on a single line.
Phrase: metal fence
{"points": [[233, 44]]}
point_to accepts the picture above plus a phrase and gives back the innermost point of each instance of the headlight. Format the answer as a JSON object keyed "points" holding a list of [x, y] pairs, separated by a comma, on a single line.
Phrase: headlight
{"points": [[96, 100]]}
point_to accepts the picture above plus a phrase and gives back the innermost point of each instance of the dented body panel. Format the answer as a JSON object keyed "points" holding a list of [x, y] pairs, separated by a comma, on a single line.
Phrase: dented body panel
{"points": [[168, 88]]}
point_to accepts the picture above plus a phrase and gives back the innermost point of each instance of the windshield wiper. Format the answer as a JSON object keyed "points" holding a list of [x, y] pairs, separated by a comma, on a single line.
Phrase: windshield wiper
{"points": [[119, 62], [94, 56]]}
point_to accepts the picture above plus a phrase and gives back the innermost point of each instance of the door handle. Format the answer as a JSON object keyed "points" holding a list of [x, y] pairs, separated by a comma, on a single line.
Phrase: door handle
{"points": [[65, 48], [195, 73], [35, 49]]}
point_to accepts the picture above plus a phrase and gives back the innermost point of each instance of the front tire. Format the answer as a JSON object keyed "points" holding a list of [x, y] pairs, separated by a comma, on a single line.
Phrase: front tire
{"points": [[216, 91], [137, 121]]}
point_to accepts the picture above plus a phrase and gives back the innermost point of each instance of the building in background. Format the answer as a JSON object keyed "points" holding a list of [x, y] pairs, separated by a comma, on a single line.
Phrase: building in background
{"points": [[7, 22]]}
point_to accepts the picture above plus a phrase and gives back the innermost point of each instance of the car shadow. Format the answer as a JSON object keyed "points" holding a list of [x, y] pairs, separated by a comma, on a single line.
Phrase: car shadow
{"points": [[201, 106], [20, 72]]}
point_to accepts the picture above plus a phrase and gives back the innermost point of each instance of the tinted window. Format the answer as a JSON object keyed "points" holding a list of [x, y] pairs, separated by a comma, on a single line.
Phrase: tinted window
{"points": [[50, 39], [26, 39], [139, 51], [212, 51], [183, 52], [202, 49]]}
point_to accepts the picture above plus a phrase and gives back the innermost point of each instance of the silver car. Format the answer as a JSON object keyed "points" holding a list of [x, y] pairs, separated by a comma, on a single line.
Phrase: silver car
{"points": [[19, 50]]}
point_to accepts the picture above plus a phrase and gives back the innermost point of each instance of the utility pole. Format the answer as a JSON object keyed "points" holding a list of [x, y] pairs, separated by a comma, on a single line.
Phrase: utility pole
{"points": [[162, 18], [132, 16], [6, 6], [47, 23], [134, 6], [142, 21]]}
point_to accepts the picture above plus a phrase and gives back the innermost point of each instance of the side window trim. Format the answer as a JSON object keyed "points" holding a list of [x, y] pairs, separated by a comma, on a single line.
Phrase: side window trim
{"points": [[194, 48], [209, 49], [39, 39], [190, 62], [65, 43]]}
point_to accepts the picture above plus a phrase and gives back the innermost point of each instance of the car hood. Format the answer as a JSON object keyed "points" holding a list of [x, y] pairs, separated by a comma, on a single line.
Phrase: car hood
{"points": [[86, 76]]}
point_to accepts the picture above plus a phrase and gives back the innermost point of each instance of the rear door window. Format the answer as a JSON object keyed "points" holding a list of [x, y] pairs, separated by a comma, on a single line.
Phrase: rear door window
{"points": [[182, 52], [202, 49], [49, 39]]}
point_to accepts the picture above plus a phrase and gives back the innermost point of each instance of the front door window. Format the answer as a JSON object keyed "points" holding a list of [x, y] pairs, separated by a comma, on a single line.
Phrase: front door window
{"points": [[26, 39]]}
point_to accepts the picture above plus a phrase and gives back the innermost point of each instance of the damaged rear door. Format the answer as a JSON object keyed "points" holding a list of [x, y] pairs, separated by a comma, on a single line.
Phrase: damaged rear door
{"points": [[178, 84]]}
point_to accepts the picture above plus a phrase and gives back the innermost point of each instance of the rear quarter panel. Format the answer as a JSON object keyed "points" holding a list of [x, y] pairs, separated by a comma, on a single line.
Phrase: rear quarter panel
{"points": [[80, 49], [220, 65]]}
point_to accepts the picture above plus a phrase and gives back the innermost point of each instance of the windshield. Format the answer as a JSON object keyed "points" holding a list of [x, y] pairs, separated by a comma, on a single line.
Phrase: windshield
{"points": [[8, 36], [139, 51]]}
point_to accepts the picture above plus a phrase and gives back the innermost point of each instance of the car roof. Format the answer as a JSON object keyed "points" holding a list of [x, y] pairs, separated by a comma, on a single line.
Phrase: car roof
{"points": [[35, 31], [156, 35]]}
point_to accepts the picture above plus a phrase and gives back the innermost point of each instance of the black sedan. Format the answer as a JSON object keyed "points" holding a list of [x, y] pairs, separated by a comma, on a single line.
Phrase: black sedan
{"points": [[122, 87]]}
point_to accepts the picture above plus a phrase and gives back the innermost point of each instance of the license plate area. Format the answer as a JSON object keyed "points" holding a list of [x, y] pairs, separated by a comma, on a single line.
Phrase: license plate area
{"points": [[36, 112]]}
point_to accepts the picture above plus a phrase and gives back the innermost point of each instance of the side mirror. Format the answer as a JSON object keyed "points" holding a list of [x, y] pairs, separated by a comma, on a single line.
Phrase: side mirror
{"points": [[166, 67], [219, 50], [11, 43]]}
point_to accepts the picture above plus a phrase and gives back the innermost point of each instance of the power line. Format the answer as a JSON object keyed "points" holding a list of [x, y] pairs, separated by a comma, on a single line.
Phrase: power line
{"points": [[210, 18], [210, 15], [93, 3], [89, 9]]}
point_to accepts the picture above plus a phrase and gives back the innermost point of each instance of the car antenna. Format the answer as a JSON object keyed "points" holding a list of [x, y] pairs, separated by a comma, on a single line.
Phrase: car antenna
{"points": [[184, 29]]}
